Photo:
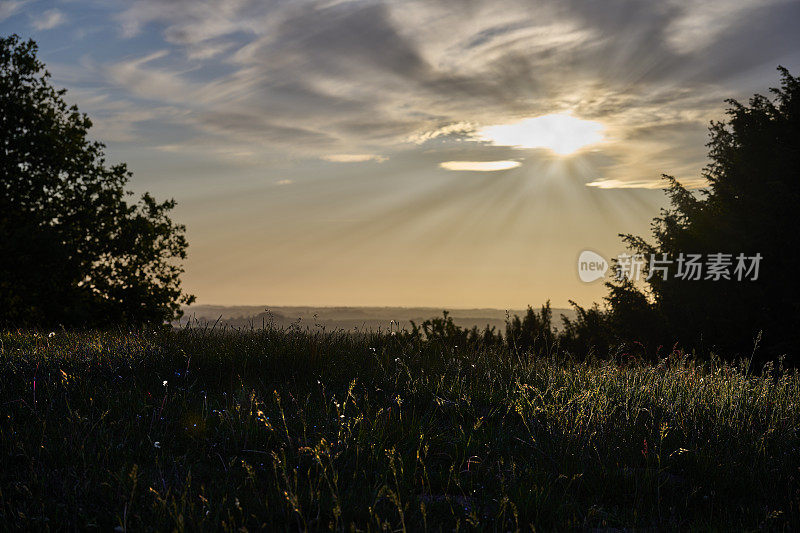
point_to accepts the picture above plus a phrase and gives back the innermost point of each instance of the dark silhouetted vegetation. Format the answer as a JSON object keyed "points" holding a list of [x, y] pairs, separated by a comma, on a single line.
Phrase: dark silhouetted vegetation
{"points": [[751, 207], [74, 250]]}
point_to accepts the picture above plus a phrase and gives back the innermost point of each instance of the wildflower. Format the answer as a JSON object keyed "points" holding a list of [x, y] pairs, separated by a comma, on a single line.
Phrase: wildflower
{"points": [[51, 335], [157, 444], [164, 383]]}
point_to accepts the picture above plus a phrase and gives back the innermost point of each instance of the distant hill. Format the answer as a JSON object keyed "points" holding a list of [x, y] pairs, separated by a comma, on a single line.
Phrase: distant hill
{"points": [[349, 318]]}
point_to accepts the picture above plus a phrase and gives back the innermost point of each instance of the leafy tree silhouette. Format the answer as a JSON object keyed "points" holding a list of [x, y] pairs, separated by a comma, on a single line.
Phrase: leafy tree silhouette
{"points": [[73, 250], [751, 206]]}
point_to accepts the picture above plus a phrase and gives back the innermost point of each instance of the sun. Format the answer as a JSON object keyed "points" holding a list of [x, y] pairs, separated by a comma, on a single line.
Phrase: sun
{"points": [[561, 133]]}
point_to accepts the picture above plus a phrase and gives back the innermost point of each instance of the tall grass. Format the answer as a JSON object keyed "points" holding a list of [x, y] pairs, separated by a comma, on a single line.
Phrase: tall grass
{"points": [[204, 430]]}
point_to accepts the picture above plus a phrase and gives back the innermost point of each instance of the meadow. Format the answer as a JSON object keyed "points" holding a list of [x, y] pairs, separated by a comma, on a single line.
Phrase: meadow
{"points": [[289, 429]]}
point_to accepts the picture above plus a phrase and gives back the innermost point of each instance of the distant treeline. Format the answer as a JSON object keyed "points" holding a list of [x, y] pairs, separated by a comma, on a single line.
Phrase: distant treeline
{"points": [[589, 334]]}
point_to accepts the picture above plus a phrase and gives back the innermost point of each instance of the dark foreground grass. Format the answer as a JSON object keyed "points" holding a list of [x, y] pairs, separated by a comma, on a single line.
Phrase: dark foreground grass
{"points": [[200, 430]]}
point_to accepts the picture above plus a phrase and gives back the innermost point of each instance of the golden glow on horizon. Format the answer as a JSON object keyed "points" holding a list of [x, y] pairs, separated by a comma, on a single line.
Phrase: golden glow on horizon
{"points": [[561, 133], [479, 166]]}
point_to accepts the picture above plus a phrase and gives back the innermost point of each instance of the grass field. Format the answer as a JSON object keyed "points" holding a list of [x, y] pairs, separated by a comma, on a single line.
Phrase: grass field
{"points": [[205, 430]]}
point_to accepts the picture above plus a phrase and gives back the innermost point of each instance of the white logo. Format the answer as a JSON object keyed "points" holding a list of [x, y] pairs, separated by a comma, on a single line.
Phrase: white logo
{"points": [[591, 266]]}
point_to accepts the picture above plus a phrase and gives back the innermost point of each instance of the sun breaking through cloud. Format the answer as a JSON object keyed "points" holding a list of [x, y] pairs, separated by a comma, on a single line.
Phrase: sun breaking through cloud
{"points": [[561, 133]]}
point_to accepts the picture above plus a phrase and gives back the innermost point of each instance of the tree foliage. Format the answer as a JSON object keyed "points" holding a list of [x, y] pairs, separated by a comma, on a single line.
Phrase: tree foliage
{"points": [[74, 249], [751, 205]]}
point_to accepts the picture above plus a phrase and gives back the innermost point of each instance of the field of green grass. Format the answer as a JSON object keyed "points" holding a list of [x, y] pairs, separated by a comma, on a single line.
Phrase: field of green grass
{"points": [[205, 430]]}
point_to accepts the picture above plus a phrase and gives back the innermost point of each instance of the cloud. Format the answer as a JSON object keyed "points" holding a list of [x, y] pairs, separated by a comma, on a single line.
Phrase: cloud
{"points": [[643, 184], [315, 77], [9, 8], [354, 158], [257, 129], [479, 166], [190, 22], [207, 51], [458, 129], [119, 120], [147, 82], [284, 182], [48, 19], [700, 23]]}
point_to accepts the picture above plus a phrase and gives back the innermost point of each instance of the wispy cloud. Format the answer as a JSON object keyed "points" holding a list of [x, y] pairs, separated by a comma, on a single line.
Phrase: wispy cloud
{"points": [[9, 8], [354, 158], [699, 23], [479, 166], [644, 184], [48, 19], [462, 129], [143, 80]]}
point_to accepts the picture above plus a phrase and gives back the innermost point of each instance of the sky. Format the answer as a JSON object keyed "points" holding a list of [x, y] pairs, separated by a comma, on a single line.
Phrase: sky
{"points": [[446, 153]]}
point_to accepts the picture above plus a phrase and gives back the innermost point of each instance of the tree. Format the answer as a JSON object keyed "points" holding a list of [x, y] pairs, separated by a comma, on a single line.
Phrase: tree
{"points": [[587, 334], [74, 250], [751, 206], [532, 333]]}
